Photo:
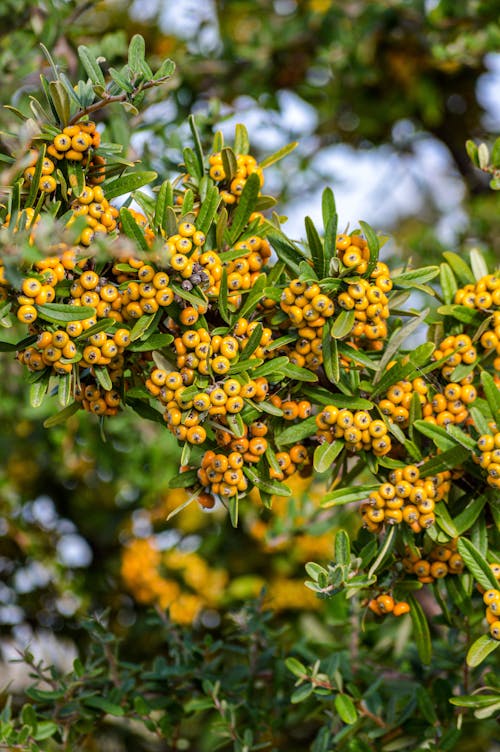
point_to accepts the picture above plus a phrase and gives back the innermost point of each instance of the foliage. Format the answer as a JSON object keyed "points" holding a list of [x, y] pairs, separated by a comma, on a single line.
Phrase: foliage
{"points": [[270, 362]]}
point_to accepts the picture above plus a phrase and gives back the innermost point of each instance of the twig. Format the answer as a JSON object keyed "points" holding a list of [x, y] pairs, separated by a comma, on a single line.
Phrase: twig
{"points": [[108, 99]]}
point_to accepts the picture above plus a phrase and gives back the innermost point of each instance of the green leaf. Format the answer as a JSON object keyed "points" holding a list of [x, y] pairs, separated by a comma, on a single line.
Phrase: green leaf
{"points": [[61, 313], [198, 149], [448, 460], [481, 649], [241, 141], [164, 199], [183, 480], [325, 454], [444, 521], [103, 325], [346, 708], [233, 504], [342, 550], [220, 230], [342, 325], [358, 356], [348, 495], [132, 229], [474, 701], [328, 207], [222, 299], [478, 264], [154, 342], [297, 433], [44, 730], [460, 268], [461, 313], [301, 693], [265, 484], [191, 163], [103, 378], [61, 101], [286, 251], [64, 391], [331, 363], [165, 70], [492, 394], [38, 390], [128, 183], [316, 247], [246, 206], [136, 54], [373, 245], [384, 551], [495, 153], [472, 152], [254, 297], [298, 373], [480, 420], [426, 705], [91, 66], [141, 325], [421, 630], [283, 152], [465, 520], [448, 283], [253, 342], [398, 337], [415, 277], [100, 703], [323, 397], [461, 437], [296, 668], [229, 163], [35, 182], [62, 416], [476, 564], [438, 434], [208, 210]]}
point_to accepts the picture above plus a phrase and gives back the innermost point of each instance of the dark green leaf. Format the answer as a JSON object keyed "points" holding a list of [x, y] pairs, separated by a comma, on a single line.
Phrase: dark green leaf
{"points": [[342, 325], [59, 313], [492, 394], [421, 631], [91, 66], [325, 454], [460, 268], [346, 708], [347, 495], [481, 649], [265, 484], [101, 703], [132, 229], [246, 206], [128, 183], [476, 564], [316, 249], [283, 152], [373, 245]]}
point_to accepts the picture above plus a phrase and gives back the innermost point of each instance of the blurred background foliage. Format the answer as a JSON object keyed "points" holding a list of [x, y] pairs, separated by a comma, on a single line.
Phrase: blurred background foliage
{"points": [[381, 96]]}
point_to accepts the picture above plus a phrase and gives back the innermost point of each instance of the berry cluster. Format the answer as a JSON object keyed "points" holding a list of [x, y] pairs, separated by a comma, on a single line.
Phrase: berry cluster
{"points": [[405, 497], [491, 599], [489, 458], [231, 186], [385, 604], [357, 429], [438, 563]]}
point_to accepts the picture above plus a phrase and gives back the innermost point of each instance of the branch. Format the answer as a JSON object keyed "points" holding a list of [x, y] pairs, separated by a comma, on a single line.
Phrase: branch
{"points": [[108, 99]]}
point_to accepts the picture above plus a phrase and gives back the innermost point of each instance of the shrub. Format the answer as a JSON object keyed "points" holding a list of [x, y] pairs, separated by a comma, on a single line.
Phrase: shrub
{"points": [[271, 362]]}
